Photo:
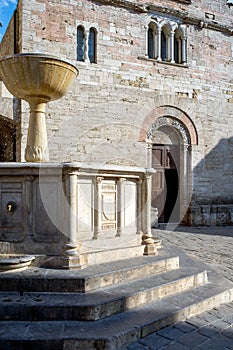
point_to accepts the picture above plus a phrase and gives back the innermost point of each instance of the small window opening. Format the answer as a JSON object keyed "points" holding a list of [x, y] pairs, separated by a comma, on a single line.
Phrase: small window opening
{"points": [[151, 44], [92, 45], [80, 44], [163, 47]]}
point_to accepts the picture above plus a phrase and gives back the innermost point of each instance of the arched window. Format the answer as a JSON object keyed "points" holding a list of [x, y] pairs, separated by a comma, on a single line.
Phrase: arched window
{"points": [[180, 55], [167, 41], [92, 45], [163, 47], [177, 50], [151, 43], [80, 44]]}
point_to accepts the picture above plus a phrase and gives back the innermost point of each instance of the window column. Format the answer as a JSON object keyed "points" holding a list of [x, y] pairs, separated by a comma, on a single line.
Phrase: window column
{"points": [[172, 47], [159, 44], [183, 51]]}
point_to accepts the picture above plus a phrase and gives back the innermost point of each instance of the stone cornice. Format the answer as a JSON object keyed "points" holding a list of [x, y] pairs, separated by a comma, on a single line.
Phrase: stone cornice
{"points": [[166, 10], [186, 18], [130, 5], [205, 23], [183, 1]]}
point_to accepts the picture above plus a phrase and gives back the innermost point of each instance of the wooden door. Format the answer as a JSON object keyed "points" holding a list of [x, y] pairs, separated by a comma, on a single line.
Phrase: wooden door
{"points": [[165, 182]]}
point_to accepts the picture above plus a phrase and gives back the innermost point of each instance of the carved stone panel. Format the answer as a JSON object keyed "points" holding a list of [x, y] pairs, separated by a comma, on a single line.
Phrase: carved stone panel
{"points": [[47, 212], [85, 208], [12, 221], [130, 206], [108, 193]]}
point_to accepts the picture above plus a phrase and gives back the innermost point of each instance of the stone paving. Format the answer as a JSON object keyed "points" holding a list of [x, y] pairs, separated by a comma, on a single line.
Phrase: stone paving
{"points": [[211, 330]]}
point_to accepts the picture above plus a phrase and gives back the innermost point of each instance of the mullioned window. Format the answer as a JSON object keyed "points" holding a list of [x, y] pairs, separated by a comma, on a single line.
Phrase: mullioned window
{"points": [[167, 41], [86, 44]]}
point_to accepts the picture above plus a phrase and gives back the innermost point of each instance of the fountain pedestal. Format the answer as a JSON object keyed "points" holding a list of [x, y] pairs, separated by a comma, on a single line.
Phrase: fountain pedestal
{"points": [[37, 143]]}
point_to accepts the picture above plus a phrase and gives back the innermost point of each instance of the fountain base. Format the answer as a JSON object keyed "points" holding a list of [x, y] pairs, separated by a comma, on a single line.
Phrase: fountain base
{"points": [[12, 262]]}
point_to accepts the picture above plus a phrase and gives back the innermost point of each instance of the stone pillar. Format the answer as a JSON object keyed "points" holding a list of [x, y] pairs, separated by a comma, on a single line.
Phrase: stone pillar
{"points": [[139, 207], [159, 44], [86, 46], [70, 258], [120, 206], [37, 143], [149, 145], [97, 206], [147, 238], [183, 50], [172, 47]]}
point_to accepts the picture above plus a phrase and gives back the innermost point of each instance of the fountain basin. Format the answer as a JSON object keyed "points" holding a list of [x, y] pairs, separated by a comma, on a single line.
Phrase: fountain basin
{"points": [[12, 262], [29, 75]]}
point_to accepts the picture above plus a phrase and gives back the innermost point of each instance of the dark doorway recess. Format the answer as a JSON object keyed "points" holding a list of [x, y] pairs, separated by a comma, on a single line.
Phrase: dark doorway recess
{"points": [[165, 182], [7, 140]]}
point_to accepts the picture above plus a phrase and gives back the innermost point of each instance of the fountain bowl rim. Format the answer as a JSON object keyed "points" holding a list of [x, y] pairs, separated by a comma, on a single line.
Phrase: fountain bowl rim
{"points": [[38, 54]]}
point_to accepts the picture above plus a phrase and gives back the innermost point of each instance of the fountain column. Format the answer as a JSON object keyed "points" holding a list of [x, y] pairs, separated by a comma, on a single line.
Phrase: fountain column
{"points": [[97, 206], [147, 237], [139, 206], [70, 256], [37, 143], [120, 206]]}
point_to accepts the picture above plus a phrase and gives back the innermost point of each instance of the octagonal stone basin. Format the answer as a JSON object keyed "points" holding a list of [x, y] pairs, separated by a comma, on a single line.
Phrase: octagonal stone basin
{"points": [[12, 262], [37, 79]]}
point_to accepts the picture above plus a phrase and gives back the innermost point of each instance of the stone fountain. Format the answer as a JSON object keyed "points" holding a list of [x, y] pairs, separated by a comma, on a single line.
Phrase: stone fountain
{"points": [[67, 215], [37, 79]]}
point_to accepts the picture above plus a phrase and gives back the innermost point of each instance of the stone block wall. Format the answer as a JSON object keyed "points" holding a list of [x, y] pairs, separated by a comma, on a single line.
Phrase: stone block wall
{"points": [[103, 117]]}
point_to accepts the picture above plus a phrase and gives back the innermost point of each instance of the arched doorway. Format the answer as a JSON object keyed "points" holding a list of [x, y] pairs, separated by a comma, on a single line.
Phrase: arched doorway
{"points": [[171, 158], [165, 182]]}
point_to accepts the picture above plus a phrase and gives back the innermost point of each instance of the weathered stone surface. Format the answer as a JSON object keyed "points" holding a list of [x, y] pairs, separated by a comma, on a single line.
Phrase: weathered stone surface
{"points": [[115, 331], [103, 117]]}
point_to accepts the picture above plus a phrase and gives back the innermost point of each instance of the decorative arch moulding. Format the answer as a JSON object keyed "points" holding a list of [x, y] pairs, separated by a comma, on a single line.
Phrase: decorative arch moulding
{"points": [[173, 122], [172, 116]]}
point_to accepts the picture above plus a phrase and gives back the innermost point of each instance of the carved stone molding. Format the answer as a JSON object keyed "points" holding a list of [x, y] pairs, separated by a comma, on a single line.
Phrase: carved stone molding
{"points": [[173, 122], [37, 153], [183, 1], [167, 10], [124, 4]]}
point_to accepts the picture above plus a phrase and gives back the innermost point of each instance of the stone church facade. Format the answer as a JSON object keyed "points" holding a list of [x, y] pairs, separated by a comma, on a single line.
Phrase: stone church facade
{"points": [[154, 90]]}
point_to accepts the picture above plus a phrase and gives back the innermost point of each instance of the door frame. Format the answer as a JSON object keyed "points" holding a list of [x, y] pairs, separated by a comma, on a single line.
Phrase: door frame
{"points": [[183, 140]]}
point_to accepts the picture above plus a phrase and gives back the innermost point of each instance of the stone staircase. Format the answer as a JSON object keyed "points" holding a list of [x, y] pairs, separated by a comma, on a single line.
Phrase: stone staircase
{"points": [[104, 306]]}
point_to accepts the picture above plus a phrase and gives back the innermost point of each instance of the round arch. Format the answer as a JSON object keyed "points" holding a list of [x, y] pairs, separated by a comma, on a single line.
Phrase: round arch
{"points": [[170, 135]]}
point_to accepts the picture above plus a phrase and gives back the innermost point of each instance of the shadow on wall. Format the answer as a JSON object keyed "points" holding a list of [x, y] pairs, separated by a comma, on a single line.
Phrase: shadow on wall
{"points": [[212, 201]]}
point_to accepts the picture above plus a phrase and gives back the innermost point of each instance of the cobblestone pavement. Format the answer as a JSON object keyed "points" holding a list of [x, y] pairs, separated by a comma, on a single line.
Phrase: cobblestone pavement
{"points": [[211, 330]]}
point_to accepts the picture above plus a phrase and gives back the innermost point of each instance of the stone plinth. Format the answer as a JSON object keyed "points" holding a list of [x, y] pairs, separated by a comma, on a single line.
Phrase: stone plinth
{"points": [[70, 215]]}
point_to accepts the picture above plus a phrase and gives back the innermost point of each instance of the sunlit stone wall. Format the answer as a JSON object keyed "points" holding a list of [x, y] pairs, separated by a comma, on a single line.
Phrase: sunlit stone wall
{"points": [[102, 118]]}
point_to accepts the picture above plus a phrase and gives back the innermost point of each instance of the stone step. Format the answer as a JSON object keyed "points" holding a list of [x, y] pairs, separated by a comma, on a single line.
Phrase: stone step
{"points": [[91, 278], [117, 331], [99, 304]]}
